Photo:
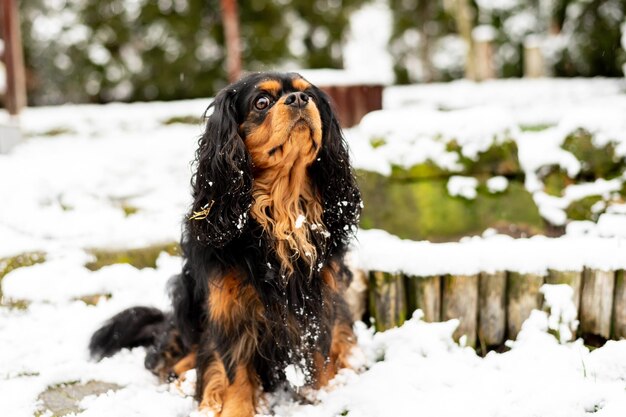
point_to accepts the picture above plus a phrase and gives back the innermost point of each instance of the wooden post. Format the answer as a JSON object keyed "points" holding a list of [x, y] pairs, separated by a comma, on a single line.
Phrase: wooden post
{"points": [[571, 278], [15, 97], [596, 304], [460, 301], [230, 17], [523, 296], [492, 309], [424, 293], [533, 58], [387, 300], [619, 306], [464, 17]]}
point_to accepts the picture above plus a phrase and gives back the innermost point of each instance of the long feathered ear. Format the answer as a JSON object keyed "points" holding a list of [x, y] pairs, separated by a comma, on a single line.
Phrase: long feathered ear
{"points": [[223, 180], [334, 178]]}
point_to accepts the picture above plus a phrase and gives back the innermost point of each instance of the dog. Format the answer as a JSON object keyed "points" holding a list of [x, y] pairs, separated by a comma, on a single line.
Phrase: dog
{"points": [[275, 205]]}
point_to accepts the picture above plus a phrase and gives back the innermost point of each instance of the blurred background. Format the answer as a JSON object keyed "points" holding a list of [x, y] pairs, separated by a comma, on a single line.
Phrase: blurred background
{"points": [[91, 51]]}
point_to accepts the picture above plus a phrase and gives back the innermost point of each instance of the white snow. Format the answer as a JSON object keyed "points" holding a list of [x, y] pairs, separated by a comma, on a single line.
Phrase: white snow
{"points": [[497, 184], [377, 250], [562, 310], [462, 187]]}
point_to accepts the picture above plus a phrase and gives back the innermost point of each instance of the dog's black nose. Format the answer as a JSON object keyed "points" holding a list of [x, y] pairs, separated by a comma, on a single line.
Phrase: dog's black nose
{"points": [[298, 100]]}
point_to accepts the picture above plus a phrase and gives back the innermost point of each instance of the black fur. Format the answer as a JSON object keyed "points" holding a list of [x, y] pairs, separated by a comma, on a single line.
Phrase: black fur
{"points": [[136, 326], [300, 310]]}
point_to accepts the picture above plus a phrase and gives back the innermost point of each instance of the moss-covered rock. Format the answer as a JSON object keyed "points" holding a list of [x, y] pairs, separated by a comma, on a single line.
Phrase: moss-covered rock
{"points": [[498, 159], [596, 162], [424, 209], [139, 258], [423, 171], [555, 179], [63, 399], [583, 209], [9, 264]]}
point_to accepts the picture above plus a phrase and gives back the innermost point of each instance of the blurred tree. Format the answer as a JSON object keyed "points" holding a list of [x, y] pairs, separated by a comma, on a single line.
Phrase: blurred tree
{"points": [[579, 37], [104, 50], [590, 33]]}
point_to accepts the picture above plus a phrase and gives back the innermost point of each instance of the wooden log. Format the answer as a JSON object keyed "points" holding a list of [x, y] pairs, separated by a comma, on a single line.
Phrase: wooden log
{"points": [[387, 300], [619, 306], [460, 301], [571, 278], [424, 293], [492, 309], [522, 296], [596, 304]]}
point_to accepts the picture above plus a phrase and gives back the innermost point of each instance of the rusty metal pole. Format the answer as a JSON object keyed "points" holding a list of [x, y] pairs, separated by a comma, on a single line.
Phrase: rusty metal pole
{"points": [[13, 58], [230, 17]]}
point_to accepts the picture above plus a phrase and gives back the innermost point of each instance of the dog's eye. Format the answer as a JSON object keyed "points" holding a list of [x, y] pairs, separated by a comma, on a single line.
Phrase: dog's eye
{"points": [[262, 103]]}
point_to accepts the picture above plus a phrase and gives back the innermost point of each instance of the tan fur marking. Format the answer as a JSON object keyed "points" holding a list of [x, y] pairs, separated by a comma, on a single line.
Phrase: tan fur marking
{"points": [[239, 397], [215, 385], [300, 84], [282, 148], [328, 276], [271, 86], [232, 303], [185, 364]]}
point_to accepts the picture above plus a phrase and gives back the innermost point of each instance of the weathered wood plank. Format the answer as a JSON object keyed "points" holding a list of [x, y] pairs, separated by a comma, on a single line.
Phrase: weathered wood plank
{"points": [[460, 301], [619, 306], [424, 293], [522, 296], [572, 278], [387, 300], [492, 309], [596, 304]]}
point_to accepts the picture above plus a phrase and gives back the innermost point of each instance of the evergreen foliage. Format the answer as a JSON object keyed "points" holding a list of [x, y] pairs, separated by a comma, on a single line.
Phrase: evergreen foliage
{"points": [[99, 51]]}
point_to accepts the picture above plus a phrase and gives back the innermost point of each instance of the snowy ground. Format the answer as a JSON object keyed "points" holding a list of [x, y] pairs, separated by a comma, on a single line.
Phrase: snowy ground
{"points": [[117, 176]]}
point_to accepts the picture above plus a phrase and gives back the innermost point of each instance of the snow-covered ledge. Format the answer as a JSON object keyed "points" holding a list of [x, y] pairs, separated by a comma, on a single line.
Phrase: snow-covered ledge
{"points": [[10, 135]]}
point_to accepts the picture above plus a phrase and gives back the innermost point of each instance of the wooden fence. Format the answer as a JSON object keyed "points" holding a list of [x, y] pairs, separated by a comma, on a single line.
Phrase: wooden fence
{"points": [[491, 307]]}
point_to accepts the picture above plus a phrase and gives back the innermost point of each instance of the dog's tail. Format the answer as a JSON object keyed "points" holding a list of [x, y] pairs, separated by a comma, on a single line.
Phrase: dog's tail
{"points": [[136, 326]]}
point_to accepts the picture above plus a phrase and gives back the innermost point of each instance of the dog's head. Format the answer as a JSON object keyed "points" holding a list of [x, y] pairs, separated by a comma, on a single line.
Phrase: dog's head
{"points": [[269, 136]]}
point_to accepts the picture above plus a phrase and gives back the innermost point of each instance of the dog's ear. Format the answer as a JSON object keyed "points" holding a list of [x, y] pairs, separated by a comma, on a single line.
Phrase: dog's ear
{"points": [[223, 180], [334, 178]]}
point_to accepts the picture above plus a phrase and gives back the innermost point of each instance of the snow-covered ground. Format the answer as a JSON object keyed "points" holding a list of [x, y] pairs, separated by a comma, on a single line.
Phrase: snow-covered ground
{"points": [[117, 176]]}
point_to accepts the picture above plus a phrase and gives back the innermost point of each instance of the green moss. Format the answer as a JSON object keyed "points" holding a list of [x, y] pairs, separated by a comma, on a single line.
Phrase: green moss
{"points": [[499, 159], [377, 142], [595, 162], [15, 304], [9, 264], [582, 209], [426, 170], [424, 210], [94, 299], [188, 120], [555, 179], [129, 210], [535, 128], [56, 131], [139, 258]]}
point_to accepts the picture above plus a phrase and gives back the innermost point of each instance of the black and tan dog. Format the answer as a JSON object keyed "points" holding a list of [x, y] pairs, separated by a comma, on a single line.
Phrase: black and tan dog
{"points": [[275, 205]]}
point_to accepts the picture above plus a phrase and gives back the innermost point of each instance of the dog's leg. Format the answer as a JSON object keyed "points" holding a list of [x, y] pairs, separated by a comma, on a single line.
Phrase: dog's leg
{"points": [[228, 397], [343, 340], [185, 364]]}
